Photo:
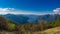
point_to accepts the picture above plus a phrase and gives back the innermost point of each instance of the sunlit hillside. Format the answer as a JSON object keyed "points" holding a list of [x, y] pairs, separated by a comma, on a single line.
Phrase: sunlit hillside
{"points": [[55, 30]]}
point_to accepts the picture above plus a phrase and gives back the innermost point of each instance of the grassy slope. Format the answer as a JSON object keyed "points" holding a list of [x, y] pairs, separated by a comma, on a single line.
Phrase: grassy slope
{"points": [[55, 30]]}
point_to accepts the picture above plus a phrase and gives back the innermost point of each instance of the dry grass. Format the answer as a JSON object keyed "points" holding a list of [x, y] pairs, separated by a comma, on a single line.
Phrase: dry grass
{"points": [[50, 31], [53, 30]]}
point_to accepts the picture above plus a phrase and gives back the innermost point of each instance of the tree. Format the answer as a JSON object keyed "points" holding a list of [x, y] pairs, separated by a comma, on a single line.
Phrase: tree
{"points": [[57, 22], [11, 26], [41, 25]]}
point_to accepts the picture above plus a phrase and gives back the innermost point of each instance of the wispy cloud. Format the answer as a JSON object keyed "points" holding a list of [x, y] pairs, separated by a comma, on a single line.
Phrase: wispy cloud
{"points": [[15, 11], [6, 10]]}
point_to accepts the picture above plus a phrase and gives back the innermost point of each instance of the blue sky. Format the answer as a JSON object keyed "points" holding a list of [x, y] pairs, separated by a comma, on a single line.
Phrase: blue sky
{"points": [[31, 5]]}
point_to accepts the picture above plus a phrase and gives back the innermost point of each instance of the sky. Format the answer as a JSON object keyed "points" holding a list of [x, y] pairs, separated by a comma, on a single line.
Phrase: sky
{"points": [[29, 6]]}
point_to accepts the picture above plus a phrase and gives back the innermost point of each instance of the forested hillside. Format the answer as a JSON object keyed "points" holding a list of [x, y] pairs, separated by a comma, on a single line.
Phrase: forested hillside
{"points": [[27, 28]]}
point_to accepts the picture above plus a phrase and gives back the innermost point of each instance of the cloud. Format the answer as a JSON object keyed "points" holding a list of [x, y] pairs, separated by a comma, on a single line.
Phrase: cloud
{"points": [[56, 11], [4, 11]]}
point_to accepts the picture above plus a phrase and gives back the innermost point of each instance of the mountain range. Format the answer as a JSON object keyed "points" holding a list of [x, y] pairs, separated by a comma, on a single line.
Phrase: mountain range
{"points": [[22, 19]]}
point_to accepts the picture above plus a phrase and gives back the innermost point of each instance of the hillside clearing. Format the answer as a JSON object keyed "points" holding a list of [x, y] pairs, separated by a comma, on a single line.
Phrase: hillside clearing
{"points": [[55, 30]]}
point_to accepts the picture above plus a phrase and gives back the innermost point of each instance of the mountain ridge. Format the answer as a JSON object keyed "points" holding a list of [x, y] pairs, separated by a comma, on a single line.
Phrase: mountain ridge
{"points": [[22, 19]]}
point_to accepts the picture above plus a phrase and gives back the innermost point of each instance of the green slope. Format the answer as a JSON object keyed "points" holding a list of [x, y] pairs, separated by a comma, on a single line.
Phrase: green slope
{"points": [[6, 24]]}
